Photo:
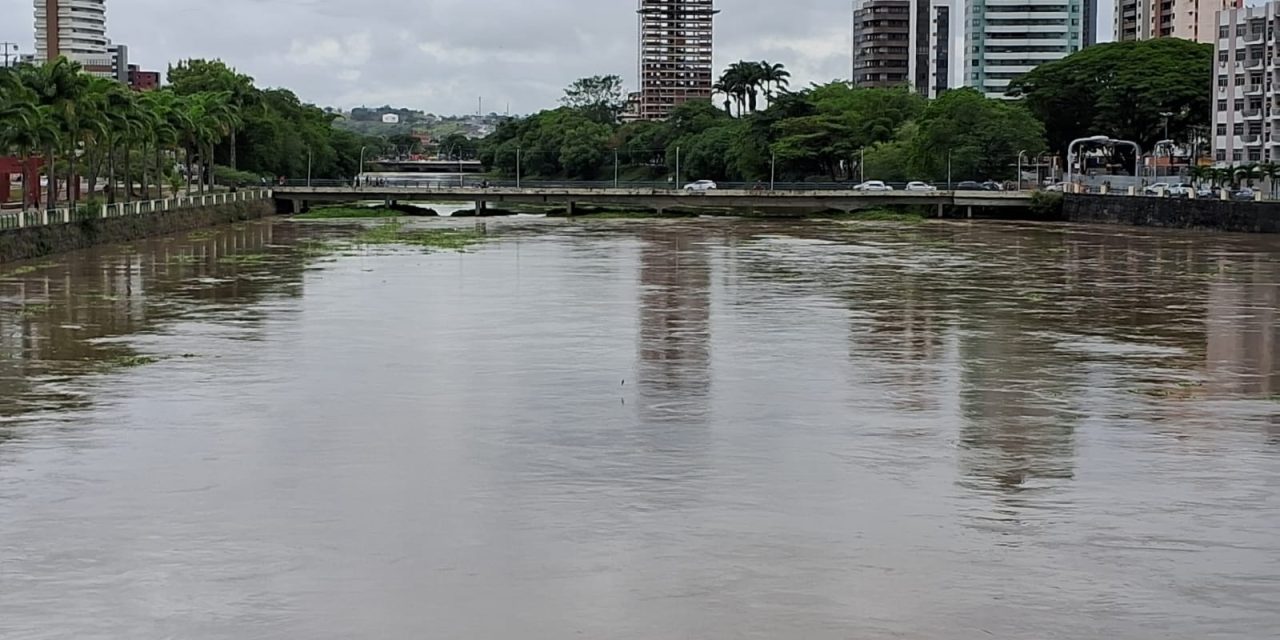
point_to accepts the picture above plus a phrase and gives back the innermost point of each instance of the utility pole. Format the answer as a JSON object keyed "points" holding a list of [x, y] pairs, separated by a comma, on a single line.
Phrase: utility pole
{"points": [[7, 47], [517, 167], [615, 168], [773, 171], [676, 184]]}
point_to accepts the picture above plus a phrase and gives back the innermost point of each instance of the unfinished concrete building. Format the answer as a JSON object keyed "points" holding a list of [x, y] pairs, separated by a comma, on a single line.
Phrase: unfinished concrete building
{"points": [[675, 55]]}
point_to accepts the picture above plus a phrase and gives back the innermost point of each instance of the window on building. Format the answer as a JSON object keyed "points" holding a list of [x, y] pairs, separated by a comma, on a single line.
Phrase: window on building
{"points": [[1223, 55], [1238, 129], [1255, 155], [1222, 105], [1239, 81], [1224, 31], [1239, 105], [1220, 156], [1222, 81], [1222, 129], [1241, 30], [1237, 155]]}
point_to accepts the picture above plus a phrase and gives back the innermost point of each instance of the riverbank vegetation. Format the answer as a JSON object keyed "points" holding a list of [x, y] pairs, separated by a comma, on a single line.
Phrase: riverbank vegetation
{"points": [[828, 132], [348, 213], [126, 145]]}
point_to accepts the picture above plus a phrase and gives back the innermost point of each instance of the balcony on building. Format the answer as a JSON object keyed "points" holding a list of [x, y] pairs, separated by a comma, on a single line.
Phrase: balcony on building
{"points": [[1251, 139], [1253, 90], [1253, 114]]}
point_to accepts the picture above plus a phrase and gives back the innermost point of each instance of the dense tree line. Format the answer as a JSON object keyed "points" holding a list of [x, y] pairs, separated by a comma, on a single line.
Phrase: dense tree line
{"points": [[97, 131], [821, 133]]}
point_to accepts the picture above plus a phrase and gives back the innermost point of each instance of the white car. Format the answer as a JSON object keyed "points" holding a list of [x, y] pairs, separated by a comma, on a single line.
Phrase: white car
{"points": [[873, 185], [701, 186], [920, 186]]}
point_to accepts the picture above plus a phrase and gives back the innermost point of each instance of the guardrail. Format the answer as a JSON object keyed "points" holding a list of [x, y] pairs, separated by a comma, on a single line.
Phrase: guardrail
{"points": [[44, 217]]}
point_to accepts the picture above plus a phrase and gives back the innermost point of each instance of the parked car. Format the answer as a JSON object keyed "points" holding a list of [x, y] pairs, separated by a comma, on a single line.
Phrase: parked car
{"points": [[1181, 190], [873, 185], [920, 186], [969, 185], [701, 186], [992, 185], [1057, 186], [1244, 194]]}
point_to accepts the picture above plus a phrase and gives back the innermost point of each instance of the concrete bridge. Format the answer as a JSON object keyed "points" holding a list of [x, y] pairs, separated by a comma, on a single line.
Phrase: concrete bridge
{"points": [[298, 198], [425, 166]]}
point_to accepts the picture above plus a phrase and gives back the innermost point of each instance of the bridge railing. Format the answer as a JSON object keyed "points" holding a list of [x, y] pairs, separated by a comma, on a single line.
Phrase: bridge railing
{"points": [[453, 183], [43, 217]]}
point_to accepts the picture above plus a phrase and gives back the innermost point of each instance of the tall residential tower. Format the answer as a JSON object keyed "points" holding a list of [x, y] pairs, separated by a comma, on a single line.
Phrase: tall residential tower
{"points": [[1187, 19], [902, 43], [77, 29], [675, 55], [1007, 38]]}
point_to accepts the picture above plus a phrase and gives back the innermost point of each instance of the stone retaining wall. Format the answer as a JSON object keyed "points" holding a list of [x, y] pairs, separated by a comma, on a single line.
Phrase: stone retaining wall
{"points": [[34, 242], [1175, 213]]}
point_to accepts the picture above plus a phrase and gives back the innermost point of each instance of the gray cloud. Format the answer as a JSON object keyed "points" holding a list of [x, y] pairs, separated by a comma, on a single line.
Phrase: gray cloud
{"points": [[441, 55]]}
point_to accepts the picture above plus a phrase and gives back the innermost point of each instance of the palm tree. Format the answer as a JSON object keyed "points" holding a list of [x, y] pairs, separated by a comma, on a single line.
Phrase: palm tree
{"points": [[733, 82], [776, 79], [1199, 174]]}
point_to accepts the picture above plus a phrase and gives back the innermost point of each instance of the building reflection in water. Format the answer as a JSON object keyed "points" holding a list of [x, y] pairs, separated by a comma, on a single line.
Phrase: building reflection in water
{"points": [[1242, 329], [675, 326], [60, 316]]}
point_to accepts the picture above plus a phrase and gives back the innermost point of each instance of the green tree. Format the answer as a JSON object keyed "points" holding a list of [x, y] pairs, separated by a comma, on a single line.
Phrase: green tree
{"points": [[600, 98], [1122, 90], [980, 136]]}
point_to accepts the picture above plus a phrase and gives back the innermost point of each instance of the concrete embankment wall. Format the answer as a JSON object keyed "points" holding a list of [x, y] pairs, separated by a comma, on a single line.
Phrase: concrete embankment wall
{"points": [[34, 242], [1174, 213]]}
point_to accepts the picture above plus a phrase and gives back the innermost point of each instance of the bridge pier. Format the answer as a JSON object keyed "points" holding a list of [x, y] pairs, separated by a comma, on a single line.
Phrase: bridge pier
{"points": [[969, 211], [573, 209], [939, 209], [481, 207]]}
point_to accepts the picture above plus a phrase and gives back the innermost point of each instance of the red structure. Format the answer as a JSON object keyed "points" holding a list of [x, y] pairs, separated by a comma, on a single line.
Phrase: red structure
{"points": [[140, 80], [29, 169]]}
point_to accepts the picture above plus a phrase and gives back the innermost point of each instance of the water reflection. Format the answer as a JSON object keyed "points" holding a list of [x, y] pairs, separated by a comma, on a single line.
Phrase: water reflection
{"points": [[719, 429]]}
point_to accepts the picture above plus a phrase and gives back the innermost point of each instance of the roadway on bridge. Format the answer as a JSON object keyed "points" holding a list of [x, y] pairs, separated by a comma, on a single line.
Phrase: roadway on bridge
{"points": [[844, 200]]}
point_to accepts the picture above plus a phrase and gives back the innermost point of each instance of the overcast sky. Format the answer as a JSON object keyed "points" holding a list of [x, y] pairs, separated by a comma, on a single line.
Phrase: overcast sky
{"points": [[441, 55]]}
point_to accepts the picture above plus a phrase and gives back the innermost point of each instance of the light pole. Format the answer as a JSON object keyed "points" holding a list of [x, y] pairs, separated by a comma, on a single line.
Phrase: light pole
{"points": [[7, 46], [773, 169], [308, 166], [517, 167], [360, 175], [677, 182], [1020, 154], [1071, 153], [615, 168], [949, 170], [862, 164]]}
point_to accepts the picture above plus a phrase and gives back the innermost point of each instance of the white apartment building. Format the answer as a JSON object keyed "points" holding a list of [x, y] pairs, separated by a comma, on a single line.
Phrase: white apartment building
{"points": [[1007, 38], [1244, 96], [76, 29]]}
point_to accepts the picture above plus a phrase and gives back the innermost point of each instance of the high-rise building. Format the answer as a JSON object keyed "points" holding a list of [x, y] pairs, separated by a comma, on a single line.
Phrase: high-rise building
{"points": [[72, 28], [675, 54], [1007, 38], [1243, 129], [1188, 19], [902, 43]]}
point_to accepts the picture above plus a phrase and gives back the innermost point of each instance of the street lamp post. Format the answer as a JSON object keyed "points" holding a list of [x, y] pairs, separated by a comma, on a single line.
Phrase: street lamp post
{"points": [[360, 175], [308, 166], [677, 182], [517, 167], [1020, 154], [773, 169], [949, 170], [615, 168], [862, 164]]}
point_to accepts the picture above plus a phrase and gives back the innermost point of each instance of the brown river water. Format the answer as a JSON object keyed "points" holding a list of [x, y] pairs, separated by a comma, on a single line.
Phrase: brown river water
{"points": [[644, 430]]}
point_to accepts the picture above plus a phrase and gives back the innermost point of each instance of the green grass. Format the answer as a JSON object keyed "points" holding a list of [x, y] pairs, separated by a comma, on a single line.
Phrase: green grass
{"points": [[201, 236], [619, 215], [32, 310], [128, 362], [347, 213], [394, 232]]}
